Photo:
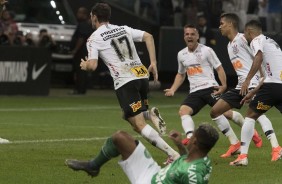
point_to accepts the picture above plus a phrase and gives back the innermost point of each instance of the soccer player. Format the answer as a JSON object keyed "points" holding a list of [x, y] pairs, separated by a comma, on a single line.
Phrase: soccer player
{"points": [[241, 58], [268, 54], [115, 46], [198, 61], [2, 7], [193, 166]]}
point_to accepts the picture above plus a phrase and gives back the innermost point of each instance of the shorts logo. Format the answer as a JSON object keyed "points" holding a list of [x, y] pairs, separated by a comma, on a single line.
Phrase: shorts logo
{"points": [[261, 106], [136, 106]]}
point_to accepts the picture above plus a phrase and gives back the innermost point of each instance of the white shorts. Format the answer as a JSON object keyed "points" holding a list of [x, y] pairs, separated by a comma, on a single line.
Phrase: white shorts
{"points": [[140, 166]]}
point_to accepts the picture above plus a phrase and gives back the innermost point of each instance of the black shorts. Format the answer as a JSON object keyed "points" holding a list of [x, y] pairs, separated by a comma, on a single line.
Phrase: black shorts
{"points": [[133, 98], [233, 98], [269, 95], [198, 99]]}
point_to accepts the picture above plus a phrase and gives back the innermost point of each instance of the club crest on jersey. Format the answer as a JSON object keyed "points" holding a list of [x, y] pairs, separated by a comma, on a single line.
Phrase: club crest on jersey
{"points": [[198, 57], [235, 49], [136, 105]]}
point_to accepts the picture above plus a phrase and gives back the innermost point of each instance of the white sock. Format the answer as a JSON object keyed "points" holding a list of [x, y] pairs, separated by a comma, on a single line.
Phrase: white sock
{"points": [[154, 138], [247, 133], [188, 125], [237, 118], [267, 128], [146, 115], [226, 129]]}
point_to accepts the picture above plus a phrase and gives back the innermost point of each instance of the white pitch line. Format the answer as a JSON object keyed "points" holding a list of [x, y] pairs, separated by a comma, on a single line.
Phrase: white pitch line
{"points": [[57, 140], [60, 140], [65, 140]]}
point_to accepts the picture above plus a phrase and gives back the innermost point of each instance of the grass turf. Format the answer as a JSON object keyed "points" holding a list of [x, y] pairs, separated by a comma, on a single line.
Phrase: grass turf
{"points": [[44, 131]]}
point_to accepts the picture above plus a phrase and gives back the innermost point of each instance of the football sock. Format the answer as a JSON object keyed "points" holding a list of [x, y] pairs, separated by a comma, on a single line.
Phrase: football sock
{"points": [[107, 152], [247, 133], [226, 129], [188, 125], [146, 115], [267, 128], [154, 138], [237, 118]]}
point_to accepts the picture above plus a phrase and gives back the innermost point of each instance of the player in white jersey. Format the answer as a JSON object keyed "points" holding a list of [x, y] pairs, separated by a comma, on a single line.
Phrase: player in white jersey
{"points": [[115, 46], [198, 62], [241, 58], [268, 54]]}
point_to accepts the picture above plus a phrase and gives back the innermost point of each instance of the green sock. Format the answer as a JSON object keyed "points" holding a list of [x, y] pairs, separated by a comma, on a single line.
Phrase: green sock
{"points": [[107, 152]]}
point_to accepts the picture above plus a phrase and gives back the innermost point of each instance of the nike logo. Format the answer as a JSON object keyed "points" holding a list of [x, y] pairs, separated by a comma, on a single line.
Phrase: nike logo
{"points": [[36, 73]]}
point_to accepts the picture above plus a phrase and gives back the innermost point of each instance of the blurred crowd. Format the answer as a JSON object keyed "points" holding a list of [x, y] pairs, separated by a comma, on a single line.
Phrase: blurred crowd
{"points": [[205, 13], [180, 12], [10, 34]]}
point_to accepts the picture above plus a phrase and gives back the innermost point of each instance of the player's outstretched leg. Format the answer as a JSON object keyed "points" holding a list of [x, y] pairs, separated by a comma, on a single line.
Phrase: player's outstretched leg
{"points": [[77, 165]]}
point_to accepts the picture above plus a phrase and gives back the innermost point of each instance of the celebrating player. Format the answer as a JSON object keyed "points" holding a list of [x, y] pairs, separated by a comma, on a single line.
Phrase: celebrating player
{"points": [[115, 46], [241, 58], [198, 61], [268, 54]]}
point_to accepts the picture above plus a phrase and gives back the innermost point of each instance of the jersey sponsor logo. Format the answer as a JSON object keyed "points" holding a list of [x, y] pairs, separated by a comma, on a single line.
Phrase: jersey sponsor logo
{"points": [[262, 106], [114, 35], [192, 174], [237, 64], [139, 71], [162, 174], [198, 86], [268, 70], [194, 70], [136, 105], [111, 31], [113, 70]]}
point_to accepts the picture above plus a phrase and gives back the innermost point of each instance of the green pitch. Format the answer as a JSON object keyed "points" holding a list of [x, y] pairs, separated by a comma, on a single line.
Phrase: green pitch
{"points": [[44, 131]]}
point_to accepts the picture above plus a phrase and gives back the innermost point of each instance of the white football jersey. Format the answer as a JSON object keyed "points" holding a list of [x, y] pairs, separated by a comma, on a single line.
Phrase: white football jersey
{"points": [[272, 57], [198, 66], [115, 46], [241, 57]]}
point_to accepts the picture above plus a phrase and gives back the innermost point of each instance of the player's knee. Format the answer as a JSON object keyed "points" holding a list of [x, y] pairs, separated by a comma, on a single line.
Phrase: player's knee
{"points": [[185, 111], [213, 113], [119, 136]]}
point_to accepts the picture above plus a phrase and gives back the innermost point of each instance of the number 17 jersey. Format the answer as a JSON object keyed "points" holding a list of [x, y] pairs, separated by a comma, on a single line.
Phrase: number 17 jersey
{"points": [[115, 46]]}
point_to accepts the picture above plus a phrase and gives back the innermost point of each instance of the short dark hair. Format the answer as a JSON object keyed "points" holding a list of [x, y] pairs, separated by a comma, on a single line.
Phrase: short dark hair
{"points": [[191, 26], [102, 11], [206, 136], [233, 18], [254, 24]]}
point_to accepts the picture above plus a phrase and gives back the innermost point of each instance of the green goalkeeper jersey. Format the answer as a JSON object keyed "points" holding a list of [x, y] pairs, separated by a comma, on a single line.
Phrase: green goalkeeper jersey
{"points": [[183, 172]]}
